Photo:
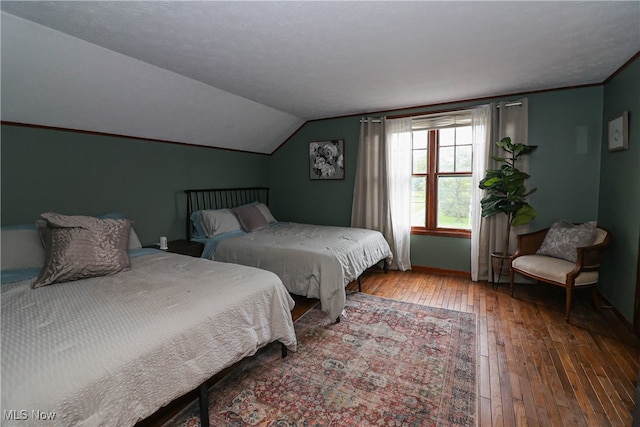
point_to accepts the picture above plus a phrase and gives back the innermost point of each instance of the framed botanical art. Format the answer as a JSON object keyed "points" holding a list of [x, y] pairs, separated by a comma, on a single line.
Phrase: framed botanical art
{"points": [[619, 132], [326, 159]]}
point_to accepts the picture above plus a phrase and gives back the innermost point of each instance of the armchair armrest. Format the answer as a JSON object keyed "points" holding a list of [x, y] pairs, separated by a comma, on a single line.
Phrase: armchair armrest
{"points": [[530, 242], [590, 257]]}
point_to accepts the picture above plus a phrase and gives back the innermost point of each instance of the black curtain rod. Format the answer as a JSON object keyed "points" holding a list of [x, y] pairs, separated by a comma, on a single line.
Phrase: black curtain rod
{"points": [[511, 104], [507, 105]]}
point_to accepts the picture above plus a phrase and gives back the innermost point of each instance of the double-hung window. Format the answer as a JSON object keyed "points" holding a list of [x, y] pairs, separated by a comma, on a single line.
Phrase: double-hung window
{"points": [[442, 175]]}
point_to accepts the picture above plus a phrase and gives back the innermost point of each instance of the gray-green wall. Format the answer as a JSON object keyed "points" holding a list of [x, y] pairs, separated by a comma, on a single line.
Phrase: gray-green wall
{"points": [[293, 196], [566, 124], [76, 173], [577, 178], [619, 202]]}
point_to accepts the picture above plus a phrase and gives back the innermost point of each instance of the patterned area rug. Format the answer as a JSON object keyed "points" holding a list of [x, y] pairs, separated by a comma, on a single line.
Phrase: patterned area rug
{"points": [[388, 363]]}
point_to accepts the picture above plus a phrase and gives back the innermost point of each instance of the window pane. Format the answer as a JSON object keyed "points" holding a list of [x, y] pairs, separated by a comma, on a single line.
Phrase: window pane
{"points": [[446, 159], [447, 137], [420, 139], [463, 158], [419, 161], [463, 135], [418, 201], [454, 202]]}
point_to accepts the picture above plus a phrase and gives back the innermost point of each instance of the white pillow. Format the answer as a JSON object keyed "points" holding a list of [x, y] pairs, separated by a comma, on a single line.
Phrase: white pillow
{"points": [[21, 247], [134, 241], [219, 221]]}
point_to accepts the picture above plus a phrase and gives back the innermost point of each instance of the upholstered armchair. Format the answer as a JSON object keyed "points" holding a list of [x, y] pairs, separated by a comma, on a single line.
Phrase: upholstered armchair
{"points": [[561, 256]]}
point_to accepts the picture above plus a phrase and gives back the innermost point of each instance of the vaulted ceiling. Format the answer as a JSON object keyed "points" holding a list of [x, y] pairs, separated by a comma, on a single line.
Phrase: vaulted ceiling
{"points": [[245, 75]]}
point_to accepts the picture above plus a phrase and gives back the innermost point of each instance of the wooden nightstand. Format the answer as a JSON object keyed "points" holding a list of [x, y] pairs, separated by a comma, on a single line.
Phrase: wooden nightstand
{"points": [[184, 247]]}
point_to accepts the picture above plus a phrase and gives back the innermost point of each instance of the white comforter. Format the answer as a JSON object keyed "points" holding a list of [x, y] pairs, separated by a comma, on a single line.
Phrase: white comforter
{"points": [[312, 260], [112, 350]]}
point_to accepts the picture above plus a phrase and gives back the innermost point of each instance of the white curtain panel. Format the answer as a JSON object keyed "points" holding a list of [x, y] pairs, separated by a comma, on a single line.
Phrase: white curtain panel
{"points": [[507, 119], [399, 161], [481, 135]]}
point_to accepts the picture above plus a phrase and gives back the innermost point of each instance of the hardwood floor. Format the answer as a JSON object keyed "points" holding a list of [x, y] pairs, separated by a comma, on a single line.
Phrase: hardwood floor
{"points": [[534, 368]]}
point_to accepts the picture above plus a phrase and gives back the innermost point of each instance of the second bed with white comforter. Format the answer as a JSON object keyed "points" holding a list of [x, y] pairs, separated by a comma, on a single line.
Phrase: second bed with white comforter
{"points": [[312, 260]]}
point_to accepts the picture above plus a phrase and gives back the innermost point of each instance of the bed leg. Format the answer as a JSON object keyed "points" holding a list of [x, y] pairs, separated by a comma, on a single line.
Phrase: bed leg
{"points": [[204, 405], [285, 351], [359, 284], [385, 266]]}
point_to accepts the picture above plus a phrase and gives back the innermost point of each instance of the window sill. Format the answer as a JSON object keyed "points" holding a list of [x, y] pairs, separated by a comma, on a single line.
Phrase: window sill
{"points": [[443, 232]]}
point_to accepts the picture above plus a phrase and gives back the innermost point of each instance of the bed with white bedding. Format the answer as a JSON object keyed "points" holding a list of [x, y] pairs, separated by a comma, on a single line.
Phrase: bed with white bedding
{"points": [[112, 349], [312, 260]]}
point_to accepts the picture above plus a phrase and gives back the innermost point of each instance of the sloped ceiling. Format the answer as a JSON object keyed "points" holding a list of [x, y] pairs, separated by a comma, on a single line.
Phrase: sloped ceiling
{"points": [[245, 75]]}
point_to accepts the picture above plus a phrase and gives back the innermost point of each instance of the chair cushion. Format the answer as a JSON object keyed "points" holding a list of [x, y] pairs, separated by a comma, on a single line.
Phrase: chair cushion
{"points": [[552, 269]]}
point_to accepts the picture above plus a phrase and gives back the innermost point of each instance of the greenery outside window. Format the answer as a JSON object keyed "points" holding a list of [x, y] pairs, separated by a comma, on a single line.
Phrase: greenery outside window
{"points": [[441, 177]]}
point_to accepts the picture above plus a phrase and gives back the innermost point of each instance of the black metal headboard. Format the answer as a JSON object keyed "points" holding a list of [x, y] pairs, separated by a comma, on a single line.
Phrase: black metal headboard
{"points": [[220, 198]]}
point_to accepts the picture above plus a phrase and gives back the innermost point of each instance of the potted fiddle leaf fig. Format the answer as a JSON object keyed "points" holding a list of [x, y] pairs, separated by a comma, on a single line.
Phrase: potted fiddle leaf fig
{"points": [[506, 192]]}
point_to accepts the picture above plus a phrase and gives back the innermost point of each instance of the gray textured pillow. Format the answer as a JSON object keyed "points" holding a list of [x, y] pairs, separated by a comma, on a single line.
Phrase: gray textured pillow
{"points": [[563, 238], [79, 247], [134, 241], [250, 218], [266, 212]]}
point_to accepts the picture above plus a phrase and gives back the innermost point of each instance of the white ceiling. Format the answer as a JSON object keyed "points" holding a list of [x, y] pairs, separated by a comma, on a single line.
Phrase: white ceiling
{"points": [[244, 75]]}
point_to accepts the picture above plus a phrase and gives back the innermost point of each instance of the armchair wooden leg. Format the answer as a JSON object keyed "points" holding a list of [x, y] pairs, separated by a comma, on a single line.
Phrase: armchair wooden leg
{"points": [[511, 282], [595, 298], [568, 308]]}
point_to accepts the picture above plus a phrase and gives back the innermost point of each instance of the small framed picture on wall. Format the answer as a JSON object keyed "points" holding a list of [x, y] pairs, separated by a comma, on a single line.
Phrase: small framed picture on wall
{"points": [[619, 132], [326, 159]]}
